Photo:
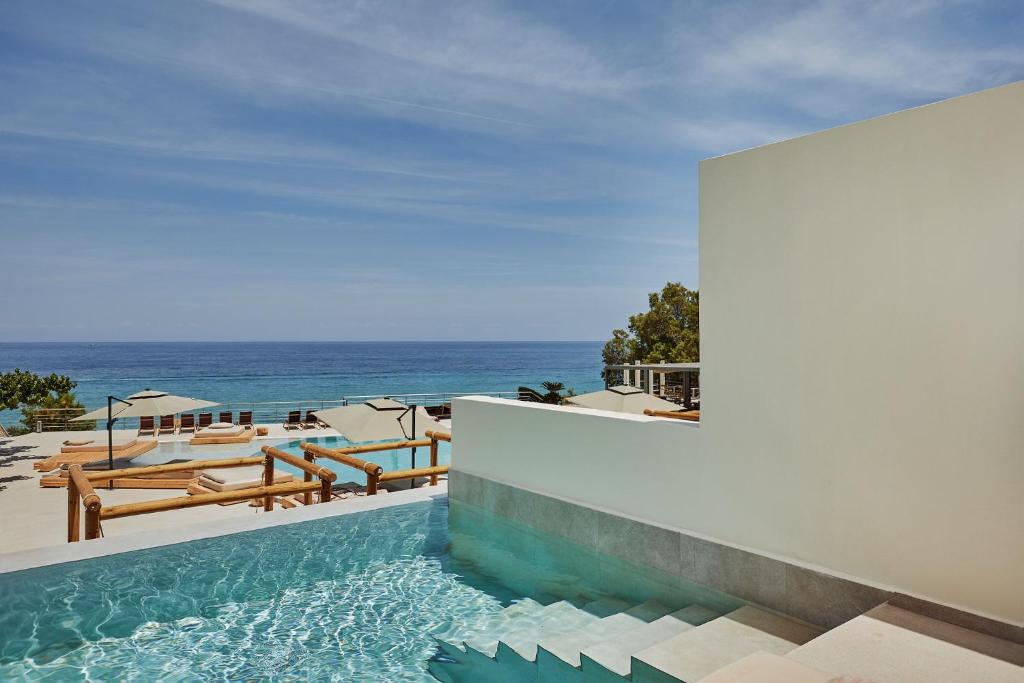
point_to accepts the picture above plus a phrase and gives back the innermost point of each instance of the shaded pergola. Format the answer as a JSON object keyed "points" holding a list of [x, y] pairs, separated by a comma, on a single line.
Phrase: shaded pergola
{"points": [[653, 378]]}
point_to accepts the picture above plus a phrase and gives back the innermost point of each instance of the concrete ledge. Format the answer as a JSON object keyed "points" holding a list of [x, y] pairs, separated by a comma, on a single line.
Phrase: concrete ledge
{"points": [[813, 596]]}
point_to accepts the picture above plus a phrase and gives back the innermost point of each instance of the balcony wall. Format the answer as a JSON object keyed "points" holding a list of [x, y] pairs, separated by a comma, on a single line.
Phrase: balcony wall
{"points": [[862, 379]]}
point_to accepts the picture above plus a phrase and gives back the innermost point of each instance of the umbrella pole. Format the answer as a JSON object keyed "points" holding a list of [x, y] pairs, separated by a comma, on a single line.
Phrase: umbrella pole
{"points": [[412, 482], [110, 437], [110, 434]]}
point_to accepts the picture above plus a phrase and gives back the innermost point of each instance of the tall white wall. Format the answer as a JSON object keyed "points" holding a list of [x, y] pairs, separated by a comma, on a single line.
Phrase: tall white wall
{"points": [[862, 379]]}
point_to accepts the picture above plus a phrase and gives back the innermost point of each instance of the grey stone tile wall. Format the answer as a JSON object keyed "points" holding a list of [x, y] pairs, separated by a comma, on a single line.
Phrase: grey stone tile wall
{"points": [[813, 596]]}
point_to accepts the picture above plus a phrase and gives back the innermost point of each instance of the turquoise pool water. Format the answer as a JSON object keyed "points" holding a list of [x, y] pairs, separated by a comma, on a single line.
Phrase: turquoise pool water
{"points": [[359, 597], [389, 460], [351, 598]]}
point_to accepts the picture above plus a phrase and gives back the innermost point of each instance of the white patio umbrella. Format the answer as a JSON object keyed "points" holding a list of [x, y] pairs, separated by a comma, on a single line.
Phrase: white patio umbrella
{"points": [[621, 399], [142, 404], [379, 419]]}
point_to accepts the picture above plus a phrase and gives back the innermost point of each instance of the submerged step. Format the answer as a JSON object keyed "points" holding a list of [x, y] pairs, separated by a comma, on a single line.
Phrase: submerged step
{"points": [[524, 627], [524, 642], [704, 649], [482, 625], [567, 646], [614, 655]]}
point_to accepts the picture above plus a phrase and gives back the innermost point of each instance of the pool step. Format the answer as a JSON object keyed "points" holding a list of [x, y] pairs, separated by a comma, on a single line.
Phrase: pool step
{"points": [[763, 667], [558, 655], [702, 650], [892, 645], [610, 659], [504, 645], [481, 627]]}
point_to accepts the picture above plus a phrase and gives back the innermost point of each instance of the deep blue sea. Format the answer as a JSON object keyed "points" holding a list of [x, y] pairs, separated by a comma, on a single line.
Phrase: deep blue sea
{"points": [[232, 372]]}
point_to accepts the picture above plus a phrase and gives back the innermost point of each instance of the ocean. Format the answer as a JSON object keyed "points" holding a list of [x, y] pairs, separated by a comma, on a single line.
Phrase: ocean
{"points": [[233, 372]]}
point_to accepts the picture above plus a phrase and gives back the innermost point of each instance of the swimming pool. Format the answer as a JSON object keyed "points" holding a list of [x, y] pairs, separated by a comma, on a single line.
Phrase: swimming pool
{"points": [[354, 597], [167, 451], [381, 595]]}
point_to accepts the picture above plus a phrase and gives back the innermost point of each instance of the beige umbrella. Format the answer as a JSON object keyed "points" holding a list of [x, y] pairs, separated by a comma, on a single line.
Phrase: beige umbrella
{"points": [[380, 419], [142, 404], [146, 403], [621, 399]]}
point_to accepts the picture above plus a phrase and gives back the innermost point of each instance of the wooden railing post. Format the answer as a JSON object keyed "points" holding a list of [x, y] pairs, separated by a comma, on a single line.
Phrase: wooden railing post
{"points": [[74, 520], [325, 492], [307, 498], [92, 522], [268, 480], [92, 516], [433, 460], [91, 502], [371, 484]]}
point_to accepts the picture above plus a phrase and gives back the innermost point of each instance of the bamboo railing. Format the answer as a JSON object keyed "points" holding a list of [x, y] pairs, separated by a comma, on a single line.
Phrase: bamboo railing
{"points": [[375, 474], [80, 489], [689, 415]]}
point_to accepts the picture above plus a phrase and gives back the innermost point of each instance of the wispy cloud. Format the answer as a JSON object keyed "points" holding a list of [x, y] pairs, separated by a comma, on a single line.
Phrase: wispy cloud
{"points": [[453, 148]]}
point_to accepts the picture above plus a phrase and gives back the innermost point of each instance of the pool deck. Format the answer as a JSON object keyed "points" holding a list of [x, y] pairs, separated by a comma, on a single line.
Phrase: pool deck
{"points": [[32, 517]]}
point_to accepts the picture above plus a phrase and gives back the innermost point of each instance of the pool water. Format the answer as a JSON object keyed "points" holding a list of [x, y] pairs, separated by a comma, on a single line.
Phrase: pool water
{"points": [[390, 460], [352, 598]]}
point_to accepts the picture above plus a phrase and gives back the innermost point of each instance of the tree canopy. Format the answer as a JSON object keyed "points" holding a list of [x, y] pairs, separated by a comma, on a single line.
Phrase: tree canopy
{"points": [[23, 387], [669, 331]]}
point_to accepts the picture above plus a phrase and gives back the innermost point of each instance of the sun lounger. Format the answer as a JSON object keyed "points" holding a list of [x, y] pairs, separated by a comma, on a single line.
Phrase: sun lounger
{"points": [[221, 429], [146, 426], [225, 416], [311, 422], [245, 418], [205, 419], [221, 433], [99, 445], [234, 478], [83, 454], [188, 423], [166, 424], [294, 420]]}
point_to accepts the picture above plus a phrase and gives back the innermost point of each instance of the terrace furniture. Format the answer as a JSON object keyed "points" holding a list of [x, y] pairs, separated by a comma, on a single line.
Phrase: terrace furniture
{"points": [[294, 420], [262, 431], [205, 419], [311, 422], [146, 426], [225, 416], [245, 418], [89, 451], [166, 424], [187, 424], [222, 433]]}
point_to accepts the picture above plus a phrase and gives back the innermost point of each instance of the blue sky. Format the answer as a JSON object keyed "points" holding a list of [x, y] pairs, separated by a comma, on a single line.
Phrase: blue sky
{"points": [[262, 169]]}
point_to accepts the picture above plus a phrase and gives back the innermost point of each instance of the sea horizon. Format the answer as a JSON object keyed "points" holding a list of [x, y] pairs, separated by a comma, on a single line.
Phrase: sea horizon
{"points": [[259, 371]]}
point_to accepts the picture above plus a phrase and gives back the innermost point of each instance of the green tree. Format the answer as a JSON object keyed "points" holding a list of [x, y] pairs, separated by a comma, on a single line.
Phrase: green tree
{"points": [[556, 392], [23, 387], [35, 393], [57, 412], [669, 331]]}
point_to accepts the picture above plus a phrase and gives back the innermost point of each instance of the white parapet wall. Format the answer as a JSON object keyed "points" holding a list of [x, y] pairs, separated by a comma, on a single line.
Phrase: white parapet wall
{"points": [[862, 369]]}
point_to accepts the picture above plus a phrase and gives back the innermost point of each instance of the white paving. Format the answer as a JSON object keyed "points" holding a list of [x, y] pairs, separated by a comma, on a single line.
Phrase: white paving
{"points": [[883, 653]]}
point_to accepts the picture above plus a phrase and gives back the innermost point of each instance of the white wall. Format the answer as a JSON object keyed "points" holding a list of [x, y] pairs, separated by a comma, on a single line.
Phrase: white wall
{"points": [[862, 324]]}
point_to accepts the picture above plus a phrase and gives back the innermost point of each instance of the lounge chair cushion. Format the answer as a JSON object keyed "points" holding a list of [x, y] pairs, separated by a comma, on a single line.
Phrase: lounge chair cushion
{"points": [[234, 478], [208, 431], [79, 442], [221, 425], [90, 446]]}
